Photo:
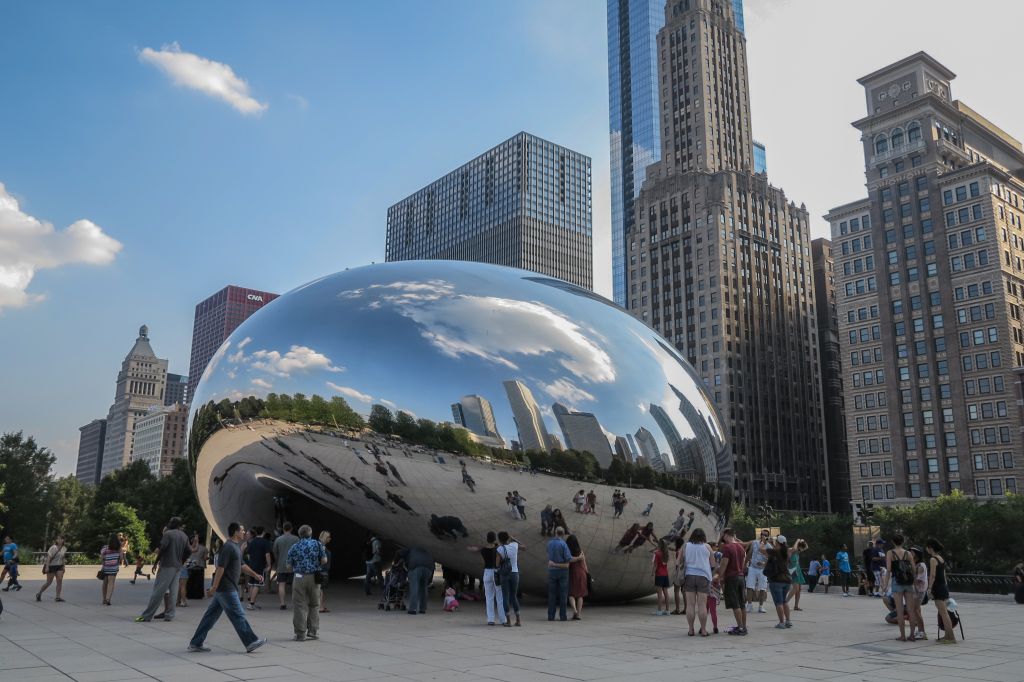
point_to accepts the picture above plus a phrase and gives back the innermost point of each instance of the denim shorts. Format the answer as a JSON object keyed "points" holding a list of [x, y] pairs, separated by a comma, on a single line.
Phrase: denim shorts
{"points": [[778, 592], [896, 587]]}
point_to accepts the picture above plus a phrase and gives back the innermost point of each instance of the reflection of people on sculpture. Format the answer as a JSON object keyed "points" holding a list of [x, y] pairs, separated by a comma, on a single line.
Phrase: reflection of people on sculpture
{"points": [[513, 512], [519, 502], [394, 472], [381, 469], [627, 538], [578, 499], [447, 526], [547, 523], [397, 499], [558, 520], [467, 479], [678, 529], [645, 535], [647, 509], [372, 495]]}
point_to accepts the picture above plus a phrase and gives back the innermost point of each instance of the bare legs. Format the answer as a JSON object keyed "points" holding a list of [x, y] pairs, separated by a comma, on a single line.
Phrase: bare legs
{"points": [[697, 607], [794, 594], [782, 610], [108, 588], [662, 599], [898, 598], [678, 591], [577, 607], [50, 577], [947, 622]]}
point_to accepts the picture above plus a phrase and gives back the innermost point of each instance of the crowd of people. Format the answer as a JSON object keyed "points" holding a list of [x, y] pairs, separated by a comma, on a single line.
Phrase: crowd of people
{"points": [[689, 571]]}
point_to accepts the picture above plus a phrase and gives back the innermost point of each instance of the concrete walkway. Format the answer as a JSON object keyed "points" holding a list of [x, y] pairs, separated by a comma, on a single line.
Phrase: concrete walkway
{"points": [[832, 639]]}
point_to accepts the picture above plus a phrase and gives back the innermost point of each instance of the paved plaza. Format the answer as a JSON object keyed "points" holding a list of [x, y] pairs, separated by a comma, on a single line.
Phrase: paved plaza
{"points": [[832, 639]]}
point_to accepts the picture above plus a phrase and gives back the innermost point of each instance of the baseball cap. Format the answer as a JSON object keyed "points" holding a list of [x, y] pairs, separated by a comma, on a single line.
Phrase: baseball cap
{"points": [[781, 538]]}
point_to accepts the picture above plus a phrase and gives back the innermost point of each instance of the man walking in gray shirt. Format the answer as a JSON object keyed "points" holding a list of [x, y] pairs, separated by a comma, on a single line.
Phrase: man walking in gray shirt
{"points": [[284, 570], [174, 549]]}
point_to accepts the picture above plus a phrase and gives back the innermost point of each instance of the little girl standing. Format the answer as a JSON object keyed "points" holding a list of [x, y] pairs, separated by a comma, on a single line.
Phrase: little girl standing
{"points": [[921, 588]]}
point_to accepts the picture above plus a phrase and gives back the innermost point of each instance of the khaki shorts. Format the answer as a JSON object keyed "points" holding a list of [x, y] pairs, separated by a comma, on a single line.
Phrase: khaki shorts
{"points": [[696, 583]]}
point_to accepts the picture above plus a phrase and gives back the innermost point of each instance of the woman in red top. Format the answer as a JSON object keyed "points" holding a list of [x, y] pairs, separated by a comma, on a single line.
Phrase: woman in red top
{"points": [[659, 569]]}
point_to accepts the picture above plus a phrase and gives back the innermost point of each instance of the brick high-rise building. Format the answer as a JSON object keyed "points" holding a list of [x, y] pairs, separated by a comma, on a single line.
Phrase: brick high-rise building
{"points": [[719, 262], [525, 204], [930, 283], [140, 386], [831, 360], [216, 317]]}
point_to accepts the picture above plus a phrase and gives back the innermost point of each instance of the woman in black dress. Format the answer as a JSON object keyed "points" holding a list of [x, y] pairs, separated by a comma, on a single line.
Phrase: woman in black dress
{"points": [[938, 590]]}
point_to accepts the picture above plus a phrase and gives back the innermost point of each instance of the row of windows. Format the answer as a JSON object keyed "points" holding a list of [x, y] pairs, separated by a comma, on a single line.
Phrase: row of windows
{"points": [[862, 314], [855, 224], [924, 370], [964, 215], [872, 423], [917, 325], [897, 139], [960, 193], [994, 486], [908, 231], [968, 261], [981, 361], [928, 417], [983, 487], [861, 286], [925, 394], [856, 245], [966, 237], [869, 378], [859, 265], [984, 386], [865, 356], [914, 274], [876, 468], [865, 334], [923, 206], [928, 440], [869, 400], [972, 290], [903, 188], [979, 337], [989, 435], [874, 445], [934, 300], [993, 460]]}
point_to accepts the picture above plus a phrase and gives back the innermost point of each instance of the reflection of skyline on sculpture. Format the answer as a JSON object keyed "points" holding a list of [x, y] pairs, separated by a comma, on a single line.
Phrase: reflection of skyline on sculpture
{"points": [[503, 353]]}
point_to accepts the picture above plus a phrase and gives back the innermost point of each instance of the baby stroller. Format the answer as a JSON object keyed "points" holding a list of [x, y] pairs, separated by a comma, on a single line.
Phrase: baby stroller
{"points": [[396, 586], [954, 618]]}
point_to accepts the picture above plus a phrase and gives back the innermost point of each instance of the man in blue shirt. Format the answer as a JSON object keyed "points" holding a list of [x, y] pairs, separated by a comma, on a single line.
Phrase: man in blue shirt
{"points": [[10, 566], [559, 558], [843, 560], [305, 559]]}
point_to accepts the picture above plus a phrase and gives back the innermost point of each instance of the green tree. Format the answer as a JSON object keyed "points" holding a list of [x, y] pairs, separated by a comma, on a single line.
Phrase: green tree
{"points": [[26, 478], [129, 485], [344, 415], [405, 425], [381, 420], [173, 495], [117, 517], [69, 503]]}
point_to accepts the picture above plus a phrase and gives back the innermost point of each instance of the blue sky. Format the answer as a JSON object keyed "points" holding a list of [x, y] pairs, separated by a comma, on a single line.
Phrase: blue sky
{"points": [[364, 103]]}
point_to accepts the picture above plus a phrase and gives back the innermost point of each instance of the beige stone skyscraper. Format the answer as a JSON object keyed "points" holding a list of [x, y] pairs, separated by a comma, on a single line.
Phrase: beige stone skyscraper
{"points": [[140, 385], [719, 262], [929, 272]]}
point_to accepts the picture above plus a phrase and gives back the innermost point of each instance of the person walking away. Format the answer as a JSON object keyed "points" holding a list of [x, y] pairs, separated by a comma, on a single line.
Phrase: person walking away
{"points": [[509, 552], [374, 558], [110, 562], [899, 576], [730, 574], [559, 558], [325, 571], [845, 572], [578, 571], [757, 583], [796, 573], [223, 595], [492, 595], [174, 549], [282, 545], [920, 591], [259, 559], [420, 563], [675, 573], [779, 580], [870, 587], [53, 567], [140, 567], [938, 590], [547, 525], [659, 571], [813, 573], [697, 580], [878, 566], [306, 557]]}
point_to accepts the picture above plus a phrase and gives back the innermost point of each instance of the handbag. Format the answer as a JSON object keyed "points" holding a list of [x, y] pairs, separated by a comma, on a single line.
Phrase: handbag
{"points": [[99, 574], [590, 583]]}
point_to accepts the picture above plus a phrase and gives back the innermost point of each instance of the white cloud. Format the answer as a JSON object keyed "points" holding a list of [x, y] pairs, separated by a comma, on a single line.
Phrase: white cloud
{"points": [[351, 393], [205, 75], [262, 383], [28, 244], [566, 392], [298, 358], [301, 102]]}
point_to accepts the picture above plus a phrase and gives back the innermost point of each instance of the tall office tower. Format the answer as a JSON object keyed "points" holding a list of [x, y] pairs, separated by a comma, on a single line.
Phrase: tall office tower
{"points": [[159, 437], [831, 374], [583, 432], [634, 130], [176, 392], [215, 319], [476, 414], [524, 203], [720, 263], [90, 451], [533, 435], [930, 280], [650, 455], [140, 385]]}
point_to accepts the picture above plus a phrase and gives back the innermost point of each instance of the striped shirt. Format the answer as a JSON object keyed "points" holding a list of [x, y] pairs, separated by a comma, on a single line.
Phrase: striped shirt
{"points": [[111, 560]]}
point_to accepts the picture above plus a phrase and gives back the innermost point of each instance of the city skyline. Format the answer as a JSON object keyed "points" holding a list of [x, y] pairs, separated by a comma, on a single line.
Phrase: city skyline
{"points": [[221, 150]]}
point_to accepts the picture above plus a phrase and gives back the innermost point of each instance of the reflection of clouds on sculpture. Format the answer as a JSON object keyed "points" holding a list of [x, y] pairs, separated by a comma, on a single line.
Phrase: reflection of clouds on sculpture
{"points": [[296, 359], [350, 392], [565, 391], [452, 322]]}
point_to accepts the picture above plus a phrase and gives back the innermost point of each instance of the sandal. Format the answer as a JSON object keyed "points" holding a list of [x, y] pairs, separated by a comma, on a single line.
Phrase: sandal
{"points": [[676, 612], [59, 599]]}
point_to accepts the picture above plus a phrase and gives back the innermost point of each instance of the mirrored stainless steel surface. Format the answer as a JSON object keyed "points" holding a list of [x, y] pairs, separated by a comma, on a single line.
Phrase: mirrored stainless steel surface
{"points": [[463, 361]]}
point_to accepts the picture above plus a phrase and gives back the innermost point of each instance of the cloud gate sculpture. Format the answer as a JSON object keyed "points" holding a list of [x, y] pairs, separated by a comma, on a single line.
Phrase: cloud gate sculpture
{"points": [[411, 399]]}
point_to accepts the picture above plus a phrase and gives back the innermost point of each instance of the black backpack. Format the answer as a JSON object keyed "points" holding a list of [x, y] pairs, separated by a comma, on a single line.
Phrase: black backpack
{"points": [[771, 567], [504, 563], [903, 569]]}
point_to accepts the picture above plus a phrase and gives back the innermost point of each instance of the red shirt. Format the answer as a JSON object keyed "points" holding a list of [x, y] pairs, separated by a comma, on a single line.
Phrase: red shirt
{"points": [[734, 552], [660, 565]]}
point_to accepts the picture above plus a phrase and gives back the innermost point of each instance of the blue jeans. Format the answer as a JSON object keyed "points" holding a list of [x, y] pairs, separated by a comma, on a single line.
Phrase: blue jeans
{"points": [[229, 604], [419, 579], [510, 593], [558, 591], [372, 575]]}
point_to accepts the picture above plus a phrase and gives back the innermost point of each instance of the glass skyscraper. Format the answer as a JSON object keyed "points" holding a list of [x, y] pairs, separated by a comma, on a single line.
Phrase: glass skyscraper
{"points": [[525, 204], [633, 27]]}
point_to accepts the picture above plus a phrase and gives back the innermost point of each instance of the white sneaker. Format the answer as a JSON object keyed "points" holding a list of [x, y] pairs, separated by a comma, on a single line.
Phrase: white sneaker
{"points": [[750, 608], [760, 609]]}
